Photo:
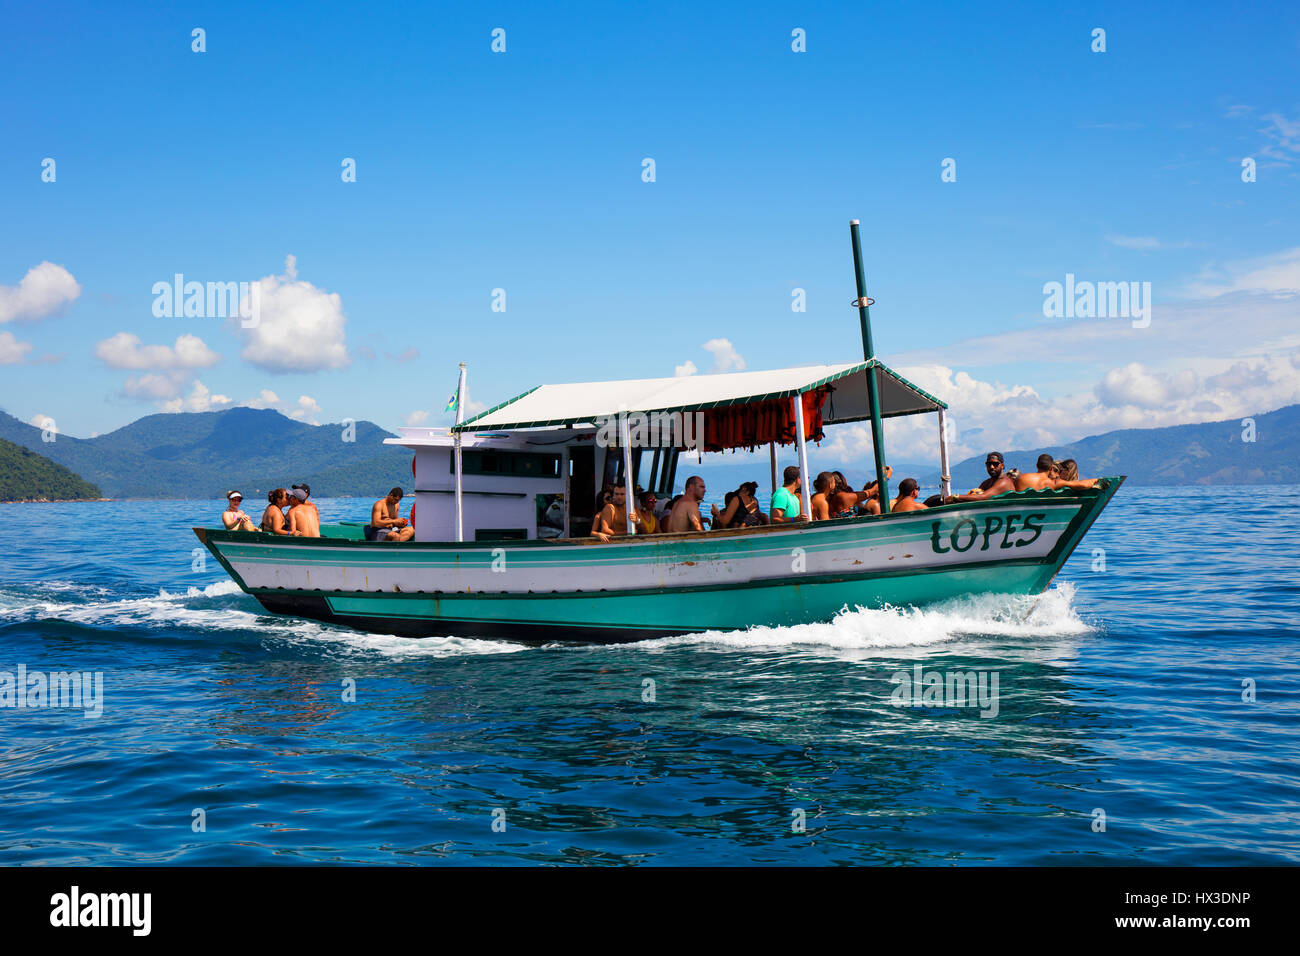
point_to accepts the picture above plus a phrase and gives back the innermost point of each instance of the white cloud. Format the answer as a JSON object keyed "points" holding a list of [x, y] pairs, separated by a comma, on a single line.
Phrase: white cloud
{"points": [[11, 350], [155, 386], [124, 350], [725, 356], [304, 410], [1133, 242], [1136, 385], [1277, 274], [417, 418], [1283, 136], [1144, 243], [686, 368], [199, 399], [987, 415], [39, 421], [300, 327], [43, 291]]}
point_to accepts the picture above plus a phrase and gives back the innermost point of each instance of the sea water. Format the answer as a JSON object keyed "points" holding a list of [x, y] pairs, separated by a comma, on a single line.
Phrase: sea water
{"points": [[1146, 709]]}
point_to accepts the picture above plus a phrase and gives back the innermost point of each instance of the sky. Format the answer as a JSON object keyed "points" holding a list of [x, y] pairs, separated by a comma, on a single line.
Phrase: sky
{"points": [[647, 189]]}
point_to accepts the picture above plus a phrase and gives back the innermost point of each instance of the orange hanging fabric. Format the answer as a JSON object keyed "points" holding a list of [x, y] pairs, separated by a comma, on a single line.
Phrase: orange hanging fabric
{"points": [[757, 423]]}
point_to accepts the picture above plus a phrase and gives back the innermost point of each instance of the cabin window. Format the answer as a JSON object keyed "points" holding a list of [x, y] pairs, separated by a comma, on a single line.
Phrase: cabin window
{"points": [[517, 464], [500, 534]]}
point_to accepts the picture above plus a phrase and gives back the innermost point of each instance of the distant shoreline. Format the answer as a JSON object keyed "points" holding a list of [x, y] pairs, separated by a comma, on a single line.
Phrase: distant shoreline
{"points": [[69, 501]]}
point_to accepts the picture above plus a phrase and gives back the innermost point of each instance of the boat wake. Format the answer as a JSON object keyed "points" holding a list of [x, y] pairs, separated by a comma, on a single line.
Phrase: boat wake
{"points": [[219, 609], [972, 618]]}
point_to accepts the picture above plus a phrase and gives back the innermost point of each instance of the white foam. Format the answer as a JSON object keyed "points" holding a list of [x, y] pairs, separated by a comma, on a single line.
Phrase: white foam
{"points": [[1048, 615], [216, 589], [222, 606]]}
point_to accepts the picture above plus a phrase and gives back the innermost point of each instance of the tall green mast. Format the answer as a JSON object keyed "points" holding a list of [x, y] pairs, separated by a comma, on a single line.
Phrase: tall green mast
{"points": [[869, 353]]}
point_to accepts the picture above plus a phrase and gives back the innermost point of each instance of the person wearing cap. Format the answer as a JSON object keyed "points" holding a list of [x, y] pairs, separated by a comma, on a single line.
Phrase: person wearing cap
{"points": [[233, 517], [304, 519], [999, 481]]}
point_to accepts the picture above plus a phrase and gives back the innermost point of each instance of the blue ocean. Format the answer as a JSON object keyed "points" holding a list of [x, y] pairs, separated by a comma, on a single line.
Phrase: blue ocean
{"points": [[1147, 712]]}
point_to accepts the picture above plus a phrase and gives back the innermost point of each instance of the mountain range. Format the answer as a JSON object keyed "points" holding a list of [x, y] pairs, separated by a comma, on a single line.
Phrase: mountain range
{"points": [[204, 454]]}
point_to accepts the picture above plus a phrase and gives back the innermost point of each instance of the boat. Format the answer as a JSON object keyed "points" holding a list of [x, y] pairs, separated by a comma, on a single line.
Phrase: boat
{"points": [[505, 500]]}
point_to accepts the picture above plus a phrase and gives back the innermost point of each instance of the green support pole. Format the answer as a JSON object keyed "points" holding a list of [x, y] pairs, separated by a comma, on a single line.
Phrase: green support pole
{"points": [[869, 353]]}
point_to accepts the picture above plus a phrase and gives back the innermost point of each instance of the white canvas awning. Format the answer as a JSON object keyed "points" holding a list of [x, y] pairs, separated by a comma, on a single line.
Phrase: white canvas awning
{"points": [[585, 402]]}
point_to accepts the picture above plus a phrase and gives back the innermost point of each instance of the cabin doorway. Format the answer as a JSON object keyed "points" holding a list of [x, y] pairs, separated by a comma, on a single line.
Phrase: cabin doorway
{"points": [[582, 490]]}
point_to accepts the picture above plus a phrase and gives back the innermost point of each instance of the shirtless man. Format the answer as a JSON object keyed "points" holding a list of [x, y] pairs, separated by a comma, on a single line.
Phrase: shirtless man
{"points": [[273, 517], [1044, 477], [685, 515], [612, 520], [823, 484], [304, 519], [999, 482], [233, 517], [385, 522], [908, 490]]}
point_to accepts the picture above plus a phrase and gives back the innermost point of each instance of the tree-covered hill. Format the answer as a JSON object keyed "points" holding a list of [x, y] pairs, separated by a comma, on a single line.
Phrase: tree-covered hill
{"points": [[27, 476]]}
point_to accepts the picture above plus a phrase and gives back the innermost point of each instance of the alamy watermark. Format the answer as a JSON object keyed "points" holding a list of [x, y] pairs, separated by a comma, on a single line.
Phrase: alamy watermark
{"points": [[652, 430], [921, 688], [1098, 300], [36, 690], [208, 300]]}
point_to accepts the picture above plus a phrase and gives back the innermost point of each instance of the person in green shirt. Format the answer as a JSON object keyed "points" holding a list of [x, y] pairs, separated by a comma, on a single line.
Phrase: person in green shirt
{"points": [[785, 502]]}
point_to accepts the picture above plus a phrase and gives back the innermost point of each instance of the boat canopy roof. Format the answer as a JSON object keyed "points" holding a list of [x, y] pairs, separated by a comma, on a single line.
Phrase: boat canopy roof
{"points": [[585, 402]]}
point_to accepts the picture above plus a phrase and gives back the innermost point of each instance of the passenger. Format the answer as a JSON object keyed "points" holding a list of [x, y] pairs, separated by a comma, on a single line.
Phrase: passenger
{"points": [[999, 481], [304, 519], [872, 505], [741, 509], [843, 500], [604, 496], [612, 520], [1045, 477], [646, 509], [273, 517], [823, 484], [386, 523], [908, 490], [685, 515], [785, 502], [1068, 472], [233, 517]]}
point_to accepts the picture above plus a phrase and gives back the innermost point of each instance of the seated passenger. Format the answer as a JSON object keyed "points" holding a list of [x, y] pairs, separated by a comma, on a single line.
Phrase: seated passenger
{"points": [[843, 500], [233, 517], [785, 501], [908, 490], [740, 509], [1044, 477], [1068, 475], [273, 517], [646, 510], [612, 520], [304, 519], [685, 515], [999, 481], [822, 486], [386, 523], [872, 505]]}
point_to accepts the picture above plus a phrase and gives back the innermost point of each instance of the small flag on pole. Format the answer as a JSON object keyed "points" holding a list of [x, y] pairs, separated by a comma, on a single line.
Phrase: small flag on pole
{"points": [[451, 403]]}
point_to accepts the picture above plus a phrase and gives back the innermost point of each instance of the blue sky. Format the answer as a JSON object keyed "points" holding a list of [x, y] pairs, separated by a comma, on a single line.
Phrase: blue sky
{"points": [[522, 171]]}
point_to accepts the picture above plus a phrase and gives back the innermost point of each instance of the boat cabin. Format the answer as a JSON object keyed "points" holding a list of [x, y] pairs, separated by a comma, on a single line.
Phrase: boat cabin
{"points": [[532, 467]]}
